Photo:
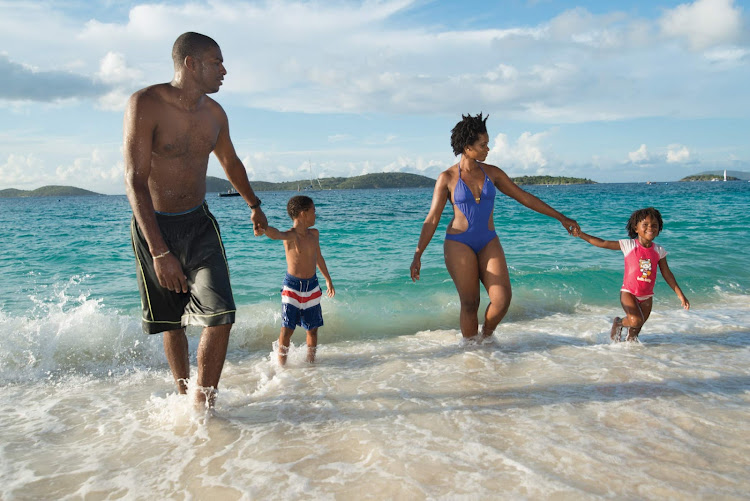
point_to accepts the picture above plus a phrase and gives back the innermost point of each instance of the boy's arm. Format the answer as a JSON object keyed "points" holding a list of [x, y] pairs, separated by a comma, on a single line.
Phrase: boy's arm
{"points": [[275, 234], [324, 271], [669, 278], [597, 242]]}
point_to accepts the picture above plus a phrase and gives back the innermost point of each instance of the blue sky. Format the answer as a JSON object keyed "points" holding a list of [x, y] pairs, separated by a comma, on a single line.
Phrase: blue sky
{"points": [[610, 91]]}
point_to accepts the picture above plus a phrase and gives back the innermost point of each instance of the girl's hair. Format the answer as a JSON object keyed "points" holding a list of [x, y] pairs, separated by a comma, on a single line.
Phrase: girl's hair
{"points": [[467, 131], [298, 204], [638, 216]]}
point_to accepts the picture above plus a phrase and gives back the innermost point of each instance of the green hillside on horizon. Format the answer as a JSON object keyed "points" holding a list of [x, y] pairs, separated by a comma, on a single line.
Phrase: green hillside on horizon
{"points": [[48, 191], [373, 181]]}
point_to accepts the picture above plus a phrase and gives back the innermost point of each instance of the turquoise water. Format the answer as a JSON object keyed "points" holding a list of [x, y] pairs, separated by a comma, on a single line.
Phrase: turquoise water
{"points": [[393, 383]]}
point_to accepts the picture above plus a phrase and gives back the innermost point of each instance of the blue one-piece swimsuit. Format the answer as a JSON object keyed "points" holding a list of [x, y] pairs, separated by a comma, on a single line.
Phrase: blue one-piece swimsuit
{"points": [[477, 213]]}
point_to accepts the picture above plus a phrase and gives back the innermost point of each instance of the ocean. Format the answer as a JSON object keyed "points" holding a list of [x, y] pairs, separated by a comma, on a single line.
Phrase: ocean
{"points": [[396, 406]]}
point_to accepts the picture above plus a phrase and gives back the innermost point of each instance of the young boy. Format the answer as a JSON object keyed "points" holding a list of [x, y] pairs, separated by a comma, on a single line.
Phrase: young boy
{"points": [[642, 256], [300, 297]]}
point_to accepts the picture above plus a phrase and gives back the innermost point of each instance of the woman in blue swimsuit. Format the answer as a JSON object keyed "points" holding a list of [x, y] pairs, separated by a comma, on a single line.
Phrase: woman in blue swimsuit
{"points": [[472, 249]]}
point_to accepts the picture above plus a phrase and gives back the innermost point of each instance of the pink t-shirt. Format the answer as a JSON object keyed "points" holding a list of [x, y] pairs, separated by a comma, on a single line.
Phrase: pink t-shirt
{"points": [[640, 267]]}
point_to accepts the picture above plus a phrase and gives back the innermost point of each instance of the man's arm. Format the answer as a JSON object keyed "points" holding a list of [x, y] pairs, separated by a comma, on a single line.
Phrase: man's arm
{"points": [[138, 129], [236, 174]]}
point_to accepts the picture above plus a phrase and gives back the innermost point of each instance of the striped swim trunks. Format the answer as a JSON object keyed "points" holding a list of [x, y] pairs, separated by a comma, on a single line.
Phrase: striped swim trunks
{"points": [[300, 302]]}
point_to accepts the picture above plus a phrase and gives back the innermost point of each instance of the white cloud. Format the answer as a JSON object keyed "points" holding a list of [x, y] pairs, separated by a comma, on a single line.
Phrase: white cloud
{"points": [[640, 155], [677, 154], [527, 152], [704, 23], [22, 171]]}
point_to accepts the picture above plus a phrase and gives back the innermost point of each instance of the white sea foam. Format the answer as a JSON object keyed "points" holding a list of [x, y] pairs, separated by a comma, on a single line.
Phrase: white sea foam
{"points": [[548, 408]]}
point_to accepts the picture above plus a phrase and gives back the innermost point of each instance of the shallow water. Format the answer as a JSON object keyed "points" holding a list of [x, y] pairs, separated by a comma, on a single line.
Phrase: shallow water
{"points": [[396, 406]]}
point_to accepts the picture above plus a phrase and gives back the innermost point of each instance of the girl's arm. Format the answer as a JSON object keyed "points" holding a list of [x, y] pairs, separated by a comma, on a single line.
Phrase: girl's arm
{"points": [[598, 242], [275, 234], [324, 271], [669, 278], [439, 198], [506, 185]]}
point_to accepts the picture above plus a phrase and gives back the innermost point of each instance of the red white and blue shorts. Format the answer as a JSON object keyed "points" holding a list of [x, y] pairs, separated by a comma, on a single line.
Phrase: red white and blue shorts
{"points": [[300, 302]]}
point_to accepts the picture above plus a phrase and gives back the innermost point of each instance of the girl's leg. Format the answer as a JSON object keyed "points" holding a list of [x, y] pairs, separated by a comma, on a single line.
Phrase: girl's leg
{"points": [[645, 307], [493, 271], [463, 267], [312, 344], [284, 337], [633, 314]]}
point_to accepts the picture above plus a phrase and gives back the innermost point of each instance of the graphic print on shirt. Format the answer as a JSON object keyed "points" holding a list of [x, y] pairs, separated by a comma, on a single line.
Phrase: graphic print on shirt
{"points": [[645, 266]]}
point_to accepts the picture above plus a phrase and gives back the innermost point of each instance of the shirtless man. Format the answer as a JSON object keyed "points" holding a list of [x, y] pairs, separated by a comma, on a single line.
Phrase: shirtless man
{"points": [[169, 131]]}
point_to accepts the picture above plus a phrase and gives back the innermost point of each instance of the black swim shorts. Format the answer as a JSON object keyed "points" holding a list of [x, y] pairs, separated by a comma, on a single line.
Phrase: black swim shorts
{"points": [[195, 240]]}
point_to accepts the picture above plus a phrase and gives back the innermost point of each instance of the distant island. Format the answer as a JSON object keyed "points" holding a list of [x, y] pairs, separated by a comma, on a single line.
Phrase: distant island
{"points": [[48, 191], [718, 175], [370, 181], [551, 180], [709, 177], [401, 180]]}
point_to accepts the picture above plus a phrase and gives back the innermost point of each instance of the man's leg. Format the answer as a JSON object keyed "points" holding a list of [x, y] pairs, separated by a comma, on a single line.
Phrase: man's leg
{"points": [[176, 350], [212, 351]]}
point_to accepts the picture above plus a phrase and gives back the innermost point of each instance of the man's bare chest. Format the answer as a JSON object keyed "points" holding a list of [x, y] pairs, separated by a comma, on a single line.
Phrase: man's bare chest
{"points": [[185, 134]]}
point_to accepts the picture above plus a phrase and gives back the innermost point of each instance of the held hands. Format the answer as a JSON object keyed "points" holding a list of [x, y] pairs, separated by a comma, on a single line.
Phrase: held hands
{"points": [[571, 226], [259, 222], [169, 272]]}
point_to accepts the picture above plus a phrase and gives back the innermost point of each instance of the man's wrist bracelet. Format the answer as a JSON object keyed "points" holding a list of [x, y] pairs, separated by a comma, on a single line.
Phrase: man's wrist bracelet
{"points": [[257, 204], [159, 256]]}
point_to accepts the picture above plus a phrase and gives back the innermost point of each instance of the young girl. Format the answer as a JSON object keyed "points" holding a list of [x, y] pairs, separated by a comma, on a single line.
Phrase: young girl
{"points": [[641, 258]]}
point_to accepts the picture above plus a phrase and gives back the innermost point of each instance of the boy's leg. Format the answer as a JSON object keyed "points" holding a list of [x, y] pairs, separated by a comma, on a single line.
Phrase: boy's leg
{"points": [[212, 351], [633, 314], [312, 344], [176, 350], [284, 338], [645, 307]]}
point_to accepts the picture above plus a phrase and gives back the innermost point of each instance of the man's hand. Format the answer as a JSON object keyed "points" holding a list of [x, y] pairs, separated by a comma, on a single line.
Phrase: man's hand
{"points": [[260, 223], [169, 272]]}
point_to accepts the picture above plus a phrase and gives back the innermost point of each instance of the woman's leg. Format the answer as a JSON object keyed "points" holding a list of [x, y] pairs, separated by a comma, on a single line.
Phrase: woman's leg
{"points": [[493, 271], [463, 267]]}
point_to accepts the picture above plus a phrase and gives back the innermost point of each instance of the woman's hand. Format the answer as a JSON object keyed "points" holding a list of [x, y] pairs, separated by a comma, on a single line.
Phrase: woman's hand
{"points": [[416, 265]]}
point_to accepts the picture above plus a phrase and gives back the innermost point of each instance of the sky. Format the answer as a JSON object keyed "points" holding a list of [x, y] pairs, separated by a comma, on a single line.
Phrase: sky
{"points": [[627, 91]]}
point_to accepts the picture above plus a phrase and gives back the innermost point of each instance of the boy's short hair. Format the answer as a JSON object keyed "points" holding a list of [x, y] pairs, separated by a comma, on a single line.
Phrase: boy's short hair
{"points": [[638, 216], [297, 204], [467, 131]]}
